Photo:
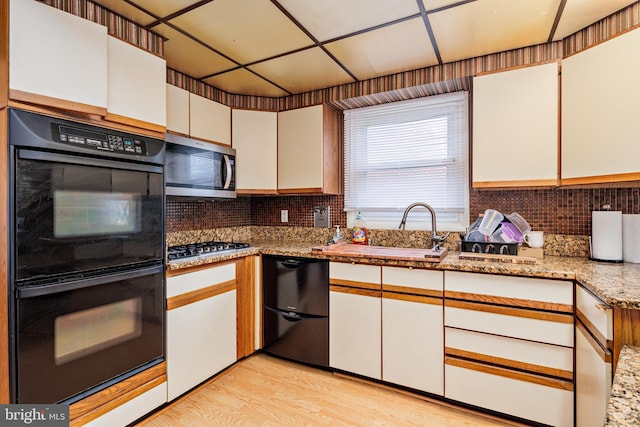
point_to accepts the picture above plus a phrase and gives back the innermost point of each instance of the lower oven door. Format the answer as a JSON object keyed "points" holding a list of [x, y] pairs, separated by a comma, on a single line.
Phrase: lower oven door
{"points": [[76, 338]]}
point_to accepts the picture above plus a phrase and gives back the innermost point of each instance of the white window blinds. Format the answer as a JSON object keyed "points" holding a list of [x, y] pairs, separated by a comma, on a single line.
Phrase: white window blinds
{"points": [[409, 151]]}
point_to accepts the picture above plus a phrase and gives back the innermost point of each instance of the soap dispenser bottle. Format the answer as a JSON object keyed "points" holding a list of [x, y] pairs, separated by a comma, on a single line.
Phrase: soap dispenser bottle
{"points": [[337, 236]]}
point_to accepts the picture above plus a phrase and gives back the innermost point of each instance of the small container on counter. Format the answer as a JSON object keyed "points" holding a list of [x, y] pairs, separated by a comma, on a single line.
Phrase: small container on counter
{"points": [[359, 234]]}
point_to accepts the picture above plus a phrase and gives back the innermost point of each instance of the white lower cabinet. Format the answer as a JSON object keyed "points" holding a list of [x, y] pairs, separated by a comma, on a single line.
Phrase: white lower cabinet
{"points": [[354, 332], [355, 319], [135, 408], [594, 345], [386, 323], [412, 341], [509, 345], [201, 326], [412, 333], [521, 398]]}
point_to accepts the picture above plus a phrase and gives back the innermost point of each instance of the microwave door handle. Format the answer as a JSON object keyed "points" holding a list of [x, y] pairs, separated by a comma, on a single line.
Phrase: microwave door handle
{"points": [[228, 171]]}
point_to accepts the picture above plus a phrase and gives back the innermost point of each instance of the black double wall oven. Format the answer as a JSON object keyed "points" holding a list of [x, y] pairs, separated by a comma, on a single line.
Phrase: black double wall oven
{"points": [[86, 257]]}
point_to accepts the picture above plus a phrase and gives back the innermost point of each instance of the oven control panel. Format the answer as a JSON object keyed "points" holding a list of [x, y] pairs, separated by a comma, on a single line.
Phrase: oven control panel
{"points": [[101, 141]]}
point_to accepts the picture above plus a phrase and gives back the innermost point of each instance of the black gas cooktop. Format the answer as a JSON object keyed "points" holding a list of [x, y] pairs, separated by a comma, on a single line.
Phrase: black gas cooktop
{"points": [[203, 249]]}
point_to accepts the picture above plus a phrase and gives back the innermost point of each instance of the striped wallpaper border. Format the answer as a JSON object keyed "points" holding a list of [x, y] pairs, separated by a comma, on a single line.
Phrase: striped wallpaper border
{"points": [[421, 82]]}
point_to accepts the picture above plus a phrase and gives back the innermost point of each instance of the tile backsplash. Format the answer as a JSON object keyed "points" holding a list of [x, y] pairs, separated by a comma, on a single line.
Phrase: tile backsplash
{"points": [[555, 211]]}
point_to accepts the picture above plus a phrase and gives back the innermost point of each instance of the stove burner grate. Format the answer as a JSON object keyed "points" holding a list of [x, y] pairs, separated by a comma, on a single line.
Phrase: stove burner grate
{"points": [[205, 248]]}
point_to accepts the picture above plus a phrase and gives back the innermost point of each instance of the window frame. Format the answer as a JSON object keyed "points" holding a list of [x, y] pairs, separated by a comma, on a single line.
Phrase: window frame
{"points": [[419, 218]]}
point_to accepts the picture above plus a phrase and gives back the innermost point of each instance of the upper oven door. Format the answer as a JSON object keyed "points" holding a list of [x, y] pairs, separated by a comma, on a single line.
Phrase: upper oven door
{"points": [[75, 214]]}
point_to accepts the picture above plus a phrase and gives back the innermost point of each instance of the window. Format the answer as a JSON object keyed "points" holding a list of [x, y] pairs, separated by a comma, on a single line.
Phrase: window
{"points": [[404, 152]]}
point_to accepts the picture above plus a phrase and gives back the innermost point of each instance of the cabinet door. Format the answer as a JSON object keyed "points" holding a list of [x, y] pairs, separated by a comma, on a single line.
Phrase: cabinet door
{"points": [[255, 139], [412, 343], [309, 151], [59, 57], [599, 112], [177, 110], [300, 154], [201, 325], [201, 341], [209, 120], [136, 83], [593, 380], [355, 333], [594, 357], [515, 127]]}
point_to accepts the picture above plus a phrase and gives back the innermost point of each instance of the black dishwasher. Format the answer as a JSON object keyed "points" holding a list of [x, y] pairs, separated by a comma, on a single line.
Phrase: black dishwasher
{"points": [[295, 311]]}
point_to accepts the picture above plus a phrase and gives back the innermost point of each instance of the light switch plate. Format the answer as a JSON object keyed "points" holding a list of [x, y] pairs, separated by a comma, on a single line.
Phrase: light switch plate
{"points": [[322, 216], [284, 215]]}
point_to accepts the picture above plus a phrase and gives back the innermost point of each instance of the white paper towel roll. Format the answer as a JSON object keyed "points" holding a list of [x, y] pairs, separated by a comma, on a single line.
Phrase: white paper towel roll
{"points": [[606, 235], [631, 238]]}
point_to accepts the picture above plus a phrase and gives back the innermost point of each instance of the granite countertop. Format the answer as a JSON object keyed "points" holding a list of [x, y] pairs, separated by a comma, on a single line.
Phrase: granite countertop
{"points": [[624, 403], [617, 284]]}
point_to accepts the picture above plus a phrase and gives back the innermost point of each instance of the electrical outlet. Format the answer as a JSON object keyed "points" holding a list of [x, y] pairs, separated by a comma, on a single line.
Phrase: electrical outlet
{"points": [[284, 215]]}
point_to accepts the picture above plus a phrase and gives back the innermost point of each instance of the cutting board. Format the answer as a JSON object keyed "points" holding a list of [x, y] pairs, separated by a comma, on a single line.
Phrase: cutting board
{"points": [[386, 252], [514, 259]]}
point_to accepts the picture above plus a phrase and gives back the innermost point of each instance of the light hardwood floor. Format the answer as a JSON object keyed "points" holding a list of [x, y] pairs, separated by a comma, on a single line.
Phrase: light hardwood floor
{"points": [[266, 391]]}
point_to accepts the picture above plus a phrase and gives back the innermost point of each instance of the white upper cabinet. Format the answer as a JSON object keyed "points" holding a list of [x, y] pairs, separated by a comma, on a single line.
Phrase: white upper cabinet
{"points": [[177, 110], [209, 120], [255, 139], [309, 151], [197, 117], [600, 132], [136, 83], [58, 56], [515, 127]]}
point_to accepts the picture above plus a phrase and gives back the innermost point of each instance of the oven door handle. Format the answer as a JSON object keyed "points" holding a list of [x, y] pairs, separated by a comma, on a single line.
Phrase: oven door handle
{"points": [[85, 161], [38, 291]]}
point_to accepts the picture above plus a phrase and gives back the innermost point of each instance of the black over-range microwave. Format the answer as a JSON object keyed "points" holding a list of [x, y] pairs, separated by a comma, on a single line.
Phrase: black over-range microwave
{"points": [[199, 169]]}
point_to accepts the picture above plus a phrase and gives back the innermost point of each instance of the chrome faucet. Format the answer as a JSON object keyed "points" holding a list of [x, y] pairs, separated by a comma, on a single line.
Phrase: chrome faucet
{"points": [[435, 239]]}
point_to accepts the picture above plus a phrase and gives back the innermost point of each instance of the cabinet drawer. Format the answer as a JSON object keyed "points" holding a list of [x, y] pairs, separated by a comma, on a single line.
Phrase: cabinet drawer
{"points": [[509, 395], [531, 356], [133, 409], [595, 314], [195, 280], [550, 328], [555, 295], [356, 275], [412, 280]]}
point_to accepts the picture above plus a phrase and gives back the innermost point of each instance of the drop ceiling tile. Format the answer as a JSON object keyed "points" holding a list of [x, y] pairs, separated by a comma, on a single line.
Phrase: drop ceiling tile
{"points": [[437, 4], [163, 8], [328, 19], [400, 47], [488, 26], [246, 30], [126, 10], [578, 14], [189, 57], [243, 82], [303, 71]]}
